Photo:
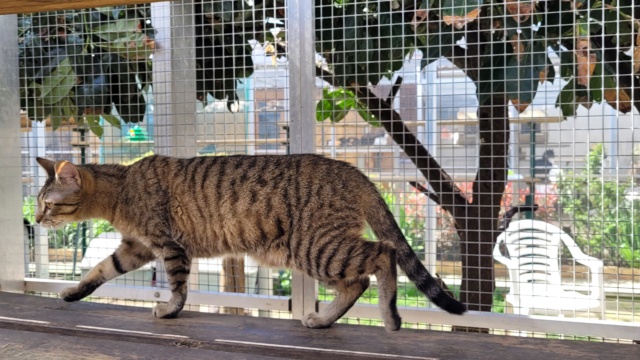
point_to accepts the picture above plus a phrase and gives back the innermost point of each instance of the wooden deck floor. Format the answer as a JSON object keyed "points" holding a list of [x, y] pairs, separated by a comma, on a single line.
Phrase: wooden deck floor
{"points": [[39, 328]]}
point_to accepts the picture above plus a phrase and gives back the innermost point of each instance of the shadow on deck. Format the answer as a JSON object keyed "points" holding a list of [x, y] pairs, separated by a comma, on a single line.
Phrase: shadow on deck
{"points": [[36, 327]]}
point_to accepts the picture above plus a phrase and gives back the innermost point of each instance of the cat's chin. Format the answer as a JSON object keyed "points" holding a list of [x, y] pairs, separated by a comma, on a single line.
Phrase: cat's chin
{"points": [[54, 225]]}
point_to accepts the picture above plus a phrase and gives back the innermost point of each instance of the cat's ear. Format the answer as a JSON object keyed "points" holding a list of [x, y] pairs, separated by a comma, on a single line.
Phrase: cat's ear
{"points": [[48, 165], [67, 173]]}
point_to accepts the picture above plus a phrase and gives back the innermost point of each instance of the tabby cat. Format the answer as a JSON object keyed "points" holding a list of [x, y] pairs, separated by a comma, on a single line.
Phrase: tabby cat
{"points": [[305, 212]]}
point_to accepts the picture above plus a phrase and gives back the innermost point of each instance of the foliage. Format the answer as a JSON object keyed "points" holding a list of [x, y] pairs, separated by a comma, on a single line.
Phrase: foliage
{"points": [[29, 209], [606, 222], [101, 226], [336, 104], [223, 51], [362, 41], [409, 296], [78, 65], [282, 286]]}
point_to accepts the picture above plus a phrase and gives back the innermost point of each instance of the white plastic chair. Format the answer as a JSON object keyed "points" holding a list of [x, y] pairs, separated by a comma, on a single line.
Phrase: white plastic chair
{"points": [[533, 264]]}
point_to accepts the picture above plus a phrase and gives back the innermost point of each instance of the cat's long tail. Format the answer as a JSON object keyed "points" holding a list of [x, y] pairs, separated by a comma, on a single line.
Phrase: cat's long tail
{"points": [[386, 229]]}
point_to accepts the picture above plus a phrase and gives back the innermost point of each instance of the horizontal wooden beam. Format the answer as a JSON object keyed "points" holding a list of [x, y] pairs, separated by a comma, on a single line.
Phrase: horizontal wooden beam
{"points": [[31, 6], [519, 120]]}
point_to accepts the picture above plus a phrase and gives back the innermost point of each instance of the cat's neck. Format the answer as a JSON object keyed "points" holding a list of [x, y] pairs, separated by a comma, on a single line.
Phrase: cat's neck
{"points": [[102, 185]]}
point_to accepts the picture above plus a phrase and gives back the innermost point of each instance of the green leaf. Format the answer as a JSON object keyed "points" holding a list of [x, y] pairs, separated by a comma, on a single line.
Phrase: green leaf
{"points": [[69, 108], [336, 104], [337, 116], [56, 117], [58, 84], [135, 46], [566, 99], [582, 28], [596, 83], [323, 109], [61, 112], [459, 7], [368, 117], [113, 120], [94, 125], [116, 29]]}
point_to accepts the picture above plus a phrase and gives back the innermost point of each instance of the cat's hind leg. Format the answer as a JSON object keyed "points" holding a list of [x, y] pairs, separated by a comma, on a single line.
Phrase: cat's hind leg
{"points": [[348, 292], [178, 263], [358, 261], [384, 267], [129, 256]]}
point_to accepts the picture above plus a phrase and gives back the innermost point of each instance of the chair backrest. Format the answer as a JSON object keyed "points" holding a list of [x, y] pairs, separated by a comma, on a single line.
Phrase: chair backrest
{"points": [[533, 251]]}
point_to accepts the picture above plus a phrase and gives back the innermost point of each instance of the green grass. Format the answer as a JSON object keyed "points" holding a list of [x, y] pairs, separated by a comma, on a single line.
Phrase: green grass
{"points": [[409, 296]]}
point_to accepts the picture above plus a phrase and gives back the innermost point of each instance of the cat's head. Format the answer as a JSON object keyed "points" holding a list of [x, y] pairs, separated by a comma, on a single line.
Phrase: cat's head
{"points": [[59, 200]]}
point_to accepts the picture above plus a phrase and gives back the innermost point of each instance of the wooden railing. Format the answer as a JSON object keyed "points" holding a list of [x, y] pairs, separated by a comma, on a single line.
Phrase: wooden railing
{"points": [[30, 6]]}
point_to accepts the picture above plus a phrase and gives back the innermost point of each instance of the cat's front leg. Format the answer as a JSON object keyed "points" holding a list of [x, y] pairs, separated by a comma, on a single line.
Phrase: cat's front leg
{"points": [[129, 256], [178, 265]]}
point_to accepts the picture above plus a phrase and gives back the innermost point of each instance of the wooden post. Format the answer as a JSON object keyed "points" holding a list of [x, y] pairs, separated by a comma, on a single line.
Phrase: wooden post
{"points": [[174, 92], [30, 6], [12, 265], [302, 136], [233, 280]]}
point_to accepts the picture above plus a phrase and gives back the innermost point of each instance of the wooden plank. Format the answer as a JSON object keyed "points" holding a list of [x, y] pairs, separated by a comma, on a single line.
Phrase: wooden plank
{"points": [[148, 293], [360, 124], [30, 6], [523, 120], [15, 344], [274, 337], [242, 142]]}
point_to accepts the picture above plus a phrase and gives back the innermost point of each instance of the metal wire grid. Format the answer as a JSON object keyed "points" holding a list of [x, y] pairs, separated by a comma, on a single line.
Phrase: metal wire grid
{"points": [[437, 102]]}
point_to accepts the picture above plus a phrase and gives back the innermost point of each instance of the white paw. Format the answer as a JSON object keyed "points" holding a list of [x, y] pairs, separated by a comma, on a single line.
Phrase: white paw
{"points": [[315, 321], [70, 294], [165, 311]]}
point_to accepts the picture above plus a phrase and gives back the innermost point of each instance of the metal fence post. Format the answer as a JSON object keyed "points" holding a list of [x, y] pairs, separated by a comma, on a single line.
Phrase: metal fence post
{"points": [[301, 47], [174, 90], [11, 237], [174, 78]]}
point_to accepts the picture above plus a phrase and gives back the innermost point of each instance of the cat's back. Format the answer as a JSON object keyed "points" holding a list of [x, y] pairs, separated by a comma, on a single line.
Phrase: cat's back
{"points": [[242, 175], [247, 168]]}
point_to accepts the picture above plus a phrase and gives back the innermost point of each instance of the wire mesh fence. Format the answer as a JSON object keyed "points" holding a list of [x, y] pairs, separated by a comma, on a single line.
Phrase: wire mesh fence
{"points": [[404, 91]]}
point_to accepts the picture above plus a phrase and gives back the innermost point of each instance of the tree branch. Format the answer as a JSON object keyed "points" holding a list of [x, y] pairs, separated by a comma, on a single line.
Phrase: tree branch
{"points": [[448, 194], [509, 214], [425, 191], [394, 91]]}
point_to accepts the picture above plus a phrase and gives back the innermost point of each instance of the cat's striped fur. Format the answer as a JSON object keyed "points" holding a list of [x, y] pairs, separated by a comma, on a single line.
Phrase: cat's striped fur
{"points": [[305, 212]]}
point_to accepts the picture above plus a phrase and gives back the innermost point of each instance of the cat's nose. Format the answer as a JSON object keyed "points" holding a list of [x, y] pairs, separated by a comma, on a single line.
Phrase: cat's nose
{"points": [[38, 218]]}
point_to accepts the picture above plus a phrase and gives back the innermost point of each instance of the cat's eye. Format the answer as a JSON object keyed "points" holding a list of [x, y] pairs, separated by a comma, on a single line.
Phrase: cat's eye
{"points": [[48, 205]]}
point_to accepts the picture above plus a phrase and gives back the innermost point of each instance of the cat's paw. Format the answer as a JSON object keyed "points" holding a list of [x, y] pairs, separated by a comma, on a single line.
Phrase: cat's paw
{"points": [[165, 311], [71, 294], [392, 320], [393, 325], [315, 321]]}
